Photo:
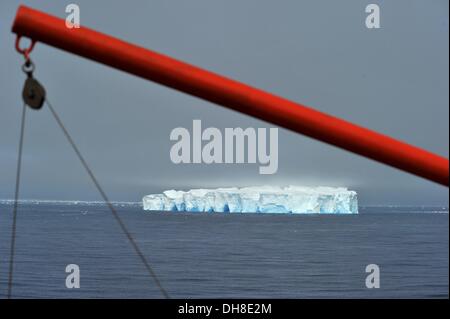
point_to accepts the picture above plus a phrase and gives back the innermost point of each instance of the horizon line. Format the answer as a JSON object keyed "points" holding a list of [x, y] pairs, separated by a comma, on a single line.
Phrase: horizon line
{"points": [[54, 201]]}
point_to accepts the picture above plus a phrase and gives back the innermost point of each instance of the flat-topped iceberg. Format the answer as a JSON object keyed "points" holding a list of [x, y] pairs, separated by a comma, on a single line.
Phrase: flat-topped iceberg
{"points": [[264, 199]]}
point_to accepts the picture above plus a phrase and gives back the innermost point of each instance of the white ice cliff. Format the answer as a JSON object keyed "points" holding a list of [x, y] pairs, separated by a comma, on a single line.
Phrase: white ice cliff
{"points": [[265, 199]]}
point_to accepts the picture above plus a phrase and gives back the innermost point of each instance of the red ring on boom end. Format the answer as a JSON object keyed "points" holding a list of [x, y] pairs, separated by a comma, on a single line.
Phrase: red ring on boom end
{"points": [[26, 52]]}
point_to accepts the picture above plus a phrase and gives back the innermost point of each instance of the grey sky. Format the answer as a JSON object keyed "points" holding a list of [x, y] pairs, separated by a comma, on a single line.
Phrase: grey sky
{"points": [[319, 53]]}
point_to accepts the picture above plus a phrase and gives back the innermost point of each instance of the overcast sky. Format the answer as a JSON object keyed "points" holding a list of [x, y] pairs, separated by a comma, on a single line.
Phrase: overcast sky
{"points": [[319, 53]]}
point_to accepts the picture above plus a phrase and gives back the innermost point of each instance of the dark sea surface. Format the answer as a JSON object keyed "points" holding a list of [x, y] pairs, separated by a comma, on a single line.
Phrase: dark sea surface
{"points": [[226, 255]]}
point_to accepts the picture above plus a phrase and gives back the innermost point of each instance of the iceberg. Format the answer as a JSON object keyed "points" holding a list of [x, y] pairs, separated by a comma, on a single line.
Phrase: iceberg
{"points": [[257, 199]]}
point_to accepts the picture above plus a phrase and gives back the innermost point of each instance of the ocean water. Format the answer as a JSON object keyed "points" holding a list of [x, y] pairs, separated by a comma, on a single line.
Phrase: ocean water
{"points": [[226, 255]]}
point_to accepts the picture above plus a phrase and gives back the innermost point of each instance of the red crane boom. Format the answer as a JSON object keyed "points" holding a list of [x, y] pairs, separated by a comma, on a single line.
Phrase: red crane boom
{"points": [[240, 97]]}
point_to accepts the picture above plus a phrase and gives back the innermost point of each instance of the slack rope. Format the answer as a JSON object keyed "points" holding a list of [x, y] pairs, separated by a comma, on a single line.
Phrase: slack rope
{"points": [[16, 198], [107, 201], [34, 96]]}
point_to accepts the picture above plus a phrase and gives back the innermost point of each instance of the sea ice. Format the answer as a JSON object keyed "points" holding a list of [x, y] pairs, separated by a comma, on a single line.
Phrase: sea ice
{"points": [[258, 199]]}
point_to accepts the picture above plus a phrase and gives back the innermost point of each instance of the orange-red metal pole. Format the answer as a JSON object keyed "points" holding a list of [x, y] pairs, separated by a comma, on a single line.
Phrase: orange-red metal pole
{"points": [[240, 97]]}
